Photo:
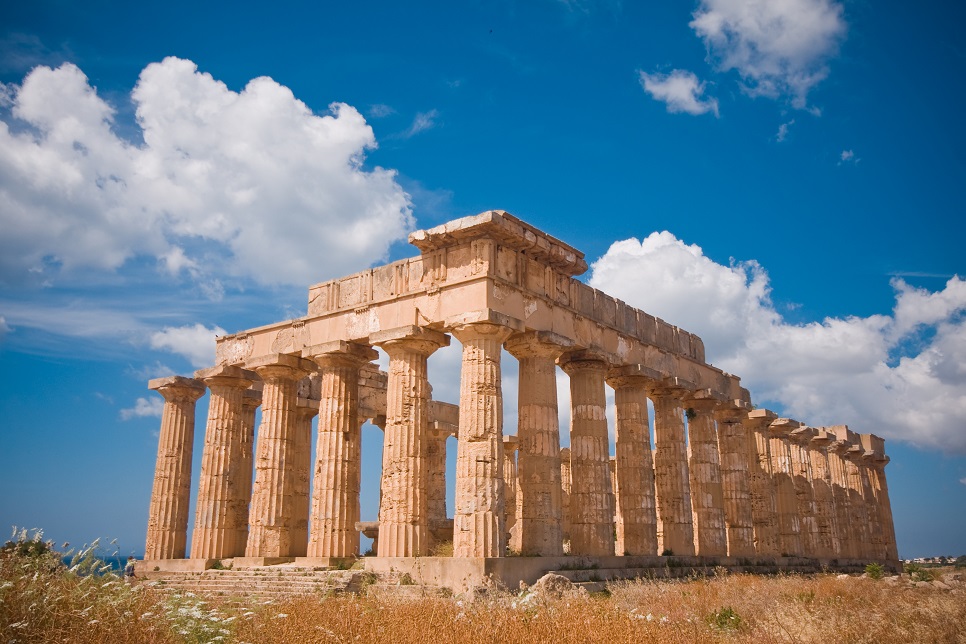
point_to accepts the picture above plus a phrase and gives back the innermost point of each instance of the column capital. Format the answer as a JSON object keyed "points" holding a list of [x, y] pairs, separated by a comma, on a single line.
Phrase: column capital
{"points": [[633, 375], [410, 338], [582, 359], [822, 438], [227, 376], [340, 353], [732, 411], [481, 330], [483, 317], [537, 344], [510, 444], [671, 386], [251, 398], [782, 427], [306, 407], [703, 400], [280, 365], [175, 388], [803, 435]]}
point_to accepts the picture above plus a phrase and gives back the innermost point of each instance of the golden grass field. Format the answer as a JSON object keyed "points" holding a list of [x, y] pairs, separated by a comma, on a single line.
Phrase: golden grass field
{"points": [[43, 602]]}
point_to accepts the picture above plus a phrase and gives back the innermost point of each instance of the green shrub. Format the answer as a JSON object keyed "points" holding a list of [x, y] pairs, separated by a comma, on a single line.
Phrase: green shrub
{"points": [[874, 571], [725, 619]]}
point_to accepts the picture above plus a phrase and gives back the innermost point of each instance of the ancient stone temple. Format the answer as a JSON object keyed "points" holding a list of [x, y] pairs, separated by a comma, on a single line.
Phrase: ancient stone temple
{"points": [[722, 483]]}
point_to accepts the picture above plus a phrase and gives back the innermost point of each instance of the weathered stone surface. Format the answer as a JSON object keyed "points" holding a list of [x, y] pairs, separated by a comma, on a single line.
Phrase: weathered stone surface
{"points": [[762, 484], [736, 478], [591, 493], [671, 477], [707, 497], [168, 513]]}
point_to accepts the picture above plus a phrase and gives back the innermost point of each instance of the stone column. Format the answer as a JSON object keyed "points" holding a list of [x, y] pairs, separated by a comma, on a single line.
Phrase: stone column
{"points": [[168, 514], [591, 494], [565, 496], [844, 518], [876, 545], [272, 513], [538, 431], [636, 510], [305, 410], [251, 400], [439, 532], [804, 492], [671, 477], [403, 507], [857, 504], [220, 510], [479, 529], [885, 508], [763, 507], [828, 541], [338, 459], [707, 497], [736, 479], [512, 528], [786, 503]]}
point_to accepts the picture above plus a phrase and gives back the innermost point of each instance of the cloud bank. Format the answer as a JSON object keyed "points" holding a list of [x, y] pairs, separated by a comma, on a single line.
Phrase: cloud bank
{"points": [[251, 184], [901, 376], [780, 48]]}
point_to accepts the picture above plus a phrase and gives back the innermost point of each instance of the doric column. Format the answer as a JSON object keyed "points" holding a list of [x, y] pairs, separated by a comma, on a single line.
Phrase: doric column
{"points": [[763, 507], [479, 529], [844, 519], [636, 510], [305, 410], [168, 513], [272, 515], [338, 458], [251, 400], [538, 431], [403, 507], [439, 532], [824, 495], [591, 494], [707, 498], [885, 507], [804, 491], [512, 528], [671, 478], [876, 544], [736, 478], [857, 504], [786, 503], [219, 511], [565, 496]]}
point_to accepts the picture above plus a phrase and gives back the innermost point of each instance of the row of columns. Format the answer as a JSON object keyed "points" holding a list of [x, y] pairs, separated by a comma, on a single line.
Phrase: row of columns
{"points": [[744, 484]]}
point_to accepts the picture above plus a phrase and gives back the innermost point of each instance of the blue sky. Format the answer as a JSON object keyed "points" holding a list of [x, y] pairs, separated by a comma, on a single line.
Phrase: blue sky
{"points": [[785, 179]]}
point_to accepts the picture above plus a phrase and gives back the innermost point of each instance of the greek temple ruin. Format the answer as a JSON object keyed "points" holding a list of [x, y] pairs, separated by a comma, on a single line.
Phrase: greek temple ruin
{"points": [[722, 482]]}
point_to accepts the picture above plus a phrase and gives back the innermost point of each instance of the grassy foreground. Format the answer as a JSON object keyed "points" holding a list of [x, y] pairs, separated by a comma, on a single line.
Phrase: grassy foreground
{"points": [[43, 601]]}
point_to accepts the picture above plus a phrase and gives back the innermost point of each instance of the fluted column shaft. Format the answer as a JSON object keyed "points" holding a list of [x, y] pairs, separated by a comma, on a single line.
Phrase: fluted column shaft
{"points": [[510, 485], [843, 501], [885, 509], [403, 506], [804, 490], [736, 482], [538, 432], [168, 513], [876, 542], [272, 515], [251, 400], [305, 411], [786, 503], [219, 509], [591, 493], [635, 496], [565, 485], [479, 529], [704, 465], [671, 477], [857, 505], [762, 485], [436, 485], [338, 467], [824, 495]]}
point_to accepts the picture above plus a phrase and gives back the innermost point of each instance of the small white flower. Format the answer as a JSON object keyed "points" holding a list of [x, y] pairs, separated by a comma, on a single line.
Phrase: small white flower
{"points": [[281, 615], [649, 617]]}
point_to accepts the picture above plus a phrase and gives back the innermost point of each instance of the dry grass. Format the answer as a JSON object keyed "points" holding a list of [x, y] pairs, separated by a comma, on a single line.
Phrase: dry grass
{"points": [[41, 602]]}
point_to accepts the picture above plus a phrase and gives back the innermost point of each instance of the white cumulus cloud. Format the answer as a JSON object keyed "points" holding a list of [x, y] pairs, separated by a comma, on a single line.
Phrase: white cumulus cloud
{"points": [[143, 408], [778, 47], [680, 90], [899, 375], [194, 342], [248, 183]]}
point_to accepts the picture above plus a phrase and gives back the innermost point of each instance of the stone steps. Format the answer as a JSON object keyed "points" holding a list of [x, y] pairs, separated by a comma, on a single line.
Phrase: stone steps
{"points": [[597, 575], [259, 583]]}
